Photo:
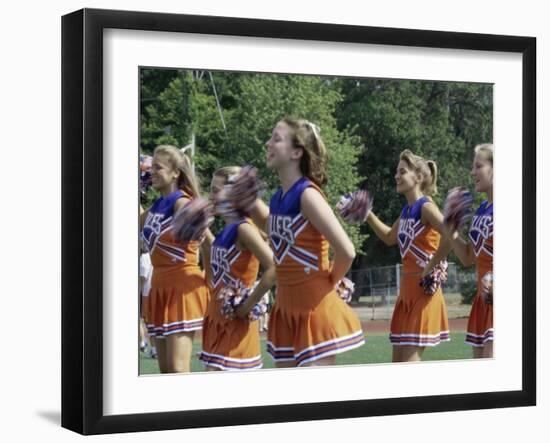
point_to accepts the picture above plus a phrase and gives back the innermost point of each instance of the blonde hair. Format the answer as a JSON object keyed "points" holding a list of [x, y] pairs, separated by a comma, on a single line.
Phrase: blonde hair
{"points": [[305, 135], [187, 180], [427, 168], [486, 149], [227, 171]]}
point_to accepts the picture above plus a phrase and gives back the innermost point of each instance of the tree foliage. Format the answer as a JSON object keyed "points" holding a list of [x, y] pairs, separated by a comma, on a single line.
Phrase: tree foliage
{"points": [[441, 121], [364, 123]]}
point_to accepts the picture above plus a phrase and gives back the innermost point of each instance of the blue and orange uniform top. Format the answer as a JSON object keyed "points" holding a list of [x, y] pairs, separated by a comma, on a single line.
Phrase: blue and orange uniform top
{"points": [[230, 344], [309, 321], [179, 293], [480, 324], [418, 319], [167, 254]]}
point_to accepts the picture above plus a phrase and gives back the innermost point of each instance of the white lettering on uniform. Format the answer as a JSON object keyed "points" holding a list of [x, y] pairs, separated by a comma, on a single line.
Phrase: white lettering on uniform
{"points": [[279, 226], [406, 226], [153, 222], [219, 258], [480, 223]]}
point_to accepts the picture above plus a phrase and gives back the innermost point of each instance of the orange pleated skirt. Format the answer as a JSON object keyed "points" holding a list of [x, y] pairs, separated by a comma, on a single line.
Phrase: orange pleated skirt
{"points": [[177, 301], [418, 319], [229, 344], [309, 321], [480, 324]]}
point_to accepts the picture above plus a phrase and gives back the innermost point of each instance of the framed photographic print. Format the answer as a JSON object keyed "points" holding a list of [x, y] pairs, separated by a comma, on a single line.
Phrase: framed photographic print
{"points": [[218, 91]]}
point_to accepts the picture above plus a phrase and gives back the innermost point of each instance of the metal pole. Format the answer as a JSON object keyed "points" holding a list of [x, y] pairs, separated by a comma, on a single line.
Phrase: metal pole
{"points": [[371, 294], [219, 109]]}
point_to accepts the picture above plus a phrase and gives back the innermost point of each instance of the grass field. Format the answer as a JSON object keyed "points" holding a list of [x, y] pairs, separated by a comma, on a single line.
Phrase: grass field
{"points": [[377, 349]]}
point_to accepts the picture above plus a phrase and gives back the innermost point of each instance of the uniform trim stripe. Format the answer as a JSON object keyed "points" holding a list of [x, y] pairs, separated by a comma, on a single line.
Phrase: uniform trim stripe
{"points": [[300, 257], [318, 351], [304, 253], [166, 226], [419, 339], [332, 347], [419, 253], [479, 340], [280, 354], [408, 243], [227, 363], [298, 224], [177, 255], [280, 251], [174, 328], [232, 254], [171, 248], [418, 228], [282, 247]]}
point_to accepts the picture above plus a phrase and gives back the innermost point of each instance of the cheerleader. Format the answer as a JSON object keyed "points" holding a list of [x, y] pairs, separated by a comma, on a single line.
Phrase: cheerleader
{"points": [[309, 323], [236, 254], [479, 251], [419, 319], [179, 294]]}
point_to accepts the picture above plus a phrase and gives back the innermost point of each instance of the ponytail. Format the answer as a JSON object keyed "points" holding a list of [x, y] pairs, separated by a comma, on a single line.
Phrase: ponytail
{"points": [[428, 169], [187, 180]]}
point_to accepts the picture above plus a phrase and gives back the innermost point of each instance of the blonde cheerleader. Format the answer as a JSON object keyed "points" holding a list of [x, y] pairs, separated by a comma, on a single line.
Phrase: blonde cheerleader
{"points": [[179, 294], [419, 317]]}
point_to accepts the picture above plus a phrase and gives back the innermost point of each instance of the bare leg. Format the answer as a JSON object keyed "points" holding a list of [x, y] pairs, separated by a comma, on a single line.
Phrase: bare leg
{"points": [[142, 332], [396, 354], [488, 349], [327, 361], [412, 353], [285, 364], [162, 355], [178, 351], [484, 351]]}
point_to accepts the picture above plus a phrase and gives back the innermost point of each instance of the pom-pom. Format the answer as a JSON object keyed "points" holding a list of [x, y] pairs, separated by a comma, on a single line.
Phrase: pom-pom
{"points": [[487, 288], [435, 278], [355, 207], [240, 193], [192, 220], [145, 165], [345, 288], [233, 297], [458, 211]]}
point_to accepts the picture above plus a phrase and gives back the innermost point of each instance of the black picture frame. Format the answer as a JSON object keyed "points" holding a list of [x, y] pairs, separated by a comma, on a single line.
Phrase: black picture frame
{"points": [[82, 218]]}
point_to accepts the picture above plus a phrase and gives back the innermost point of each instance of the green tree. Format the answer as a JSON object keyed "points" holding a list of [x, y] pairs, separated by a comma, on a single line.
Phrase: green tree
{"points": [[441, 121], [251, 105]]}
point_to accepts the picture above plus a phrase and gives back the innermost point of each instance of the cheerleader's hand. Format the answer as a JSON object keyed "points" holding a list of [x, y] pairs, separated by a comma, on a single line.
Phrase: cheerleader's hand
{"points": [[425, 272], [435, 278], [345, 289], [242, 311]]}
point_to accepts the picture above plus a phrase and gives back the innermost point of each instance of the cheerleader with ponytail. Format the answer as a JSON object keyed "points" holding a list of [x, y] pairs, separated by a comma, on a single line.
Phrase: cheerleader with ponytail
{"points": [[420, 315], [179, 294]]}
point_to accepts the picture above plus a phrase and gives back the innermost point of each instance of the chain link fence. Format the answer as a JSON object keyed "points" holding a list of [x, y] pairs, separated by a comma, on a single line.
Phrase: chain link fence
{"points": [[378, 288]]}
